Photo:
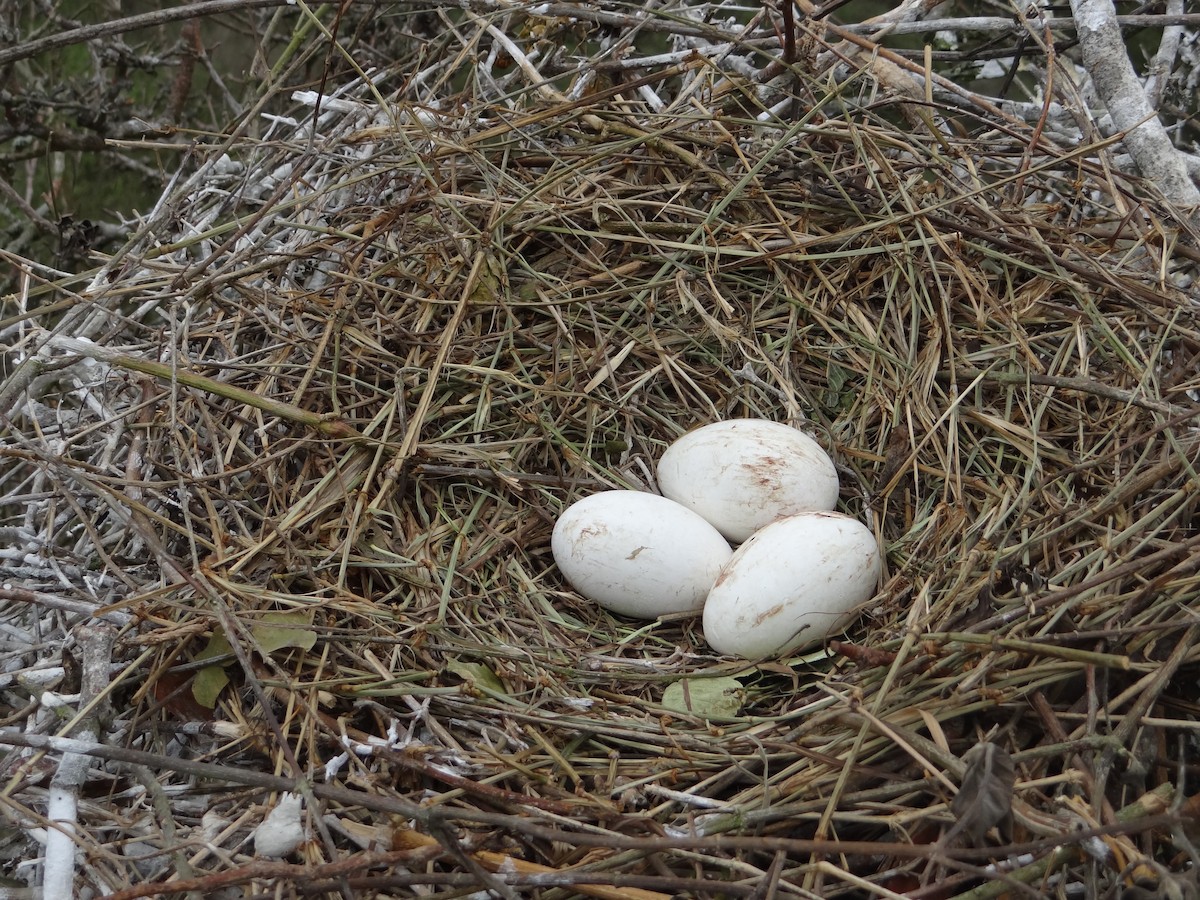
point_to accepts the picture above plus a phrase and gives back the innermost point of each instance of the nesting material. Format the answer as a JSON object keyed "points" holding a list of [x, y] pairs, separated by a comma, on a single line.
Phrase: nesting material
{"points": [[326, 405], [282, 831]]}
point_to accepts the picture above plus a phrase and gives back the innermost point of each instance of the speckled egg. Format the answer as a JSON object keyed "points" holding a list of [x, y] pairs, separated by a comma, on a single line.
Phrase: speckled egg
{"points": [[742, 474], [792, 585]]}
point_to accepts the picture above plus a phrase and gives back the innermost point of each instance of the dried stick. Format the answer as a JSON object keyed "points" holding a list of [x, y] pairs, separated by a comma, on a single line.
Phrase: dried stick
{"points": [[502, 862]]}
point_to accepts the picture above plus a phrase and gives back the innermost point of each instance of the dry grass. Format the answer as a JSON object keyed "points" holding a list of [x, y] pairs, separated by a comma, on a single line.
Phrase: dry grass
{"points": [[355, 375]]}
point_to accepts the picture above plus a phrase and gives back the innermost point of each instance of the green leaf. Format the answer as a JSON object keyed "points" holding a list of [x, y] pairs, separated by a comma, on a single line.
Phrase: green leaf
{"points": [[211, 680], [216, 646], [271, 632], [277, 630], [208, 684], [477, 674], [708, 698], [835, 380]]}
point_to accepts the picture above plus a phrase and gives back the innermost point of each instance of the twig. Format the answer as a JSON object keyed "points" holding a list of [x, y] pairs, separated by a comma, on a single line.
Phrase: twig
{"points": [[1036, 648], [95, 643], [335, 428], [502, 862], [1083, 385], [994, 24], [15, 594], [1159, 70]]}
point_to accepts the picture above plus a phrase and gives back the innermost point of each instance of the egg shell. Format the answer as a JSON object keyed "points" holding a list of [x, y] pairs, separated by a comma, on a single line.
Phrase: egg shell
{"points": [[638, 554], [742, 474], [792, 585]]}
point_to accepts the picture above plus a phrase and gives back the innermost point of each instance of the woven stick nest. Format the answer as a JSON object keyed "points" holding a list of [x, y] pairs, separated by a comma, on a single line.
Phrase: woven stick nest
{"points": [[294, 454]]}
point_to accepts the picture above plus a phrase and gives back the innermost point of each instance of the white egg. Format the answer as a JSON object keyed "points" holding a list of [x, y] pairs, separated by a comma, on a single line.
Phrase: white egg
{"points": [[638, 554], [744, 473], [792, 585]]}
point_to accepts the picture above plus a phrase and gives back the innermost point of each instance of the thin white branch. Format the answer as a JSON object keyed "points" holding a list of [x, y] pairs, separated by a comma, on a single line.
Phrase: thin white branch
{"points": [[906, 11], [993, 24], [986, 24], [95, 641], [11, 593], [1160, 67], [524, 63]]}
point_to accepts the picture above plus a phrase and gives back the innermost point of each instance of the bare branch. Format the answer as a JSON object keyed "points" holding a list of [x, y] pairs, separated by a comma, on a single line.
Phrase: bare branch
{"points": [[1107, 62], [1164, 59], [130, 23], [993, 24]]}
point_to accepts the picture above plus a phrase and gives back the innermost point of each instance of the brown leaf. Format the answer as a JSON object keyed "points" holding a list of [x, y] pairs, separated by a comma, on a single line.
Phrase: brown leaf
{"points": [[985, 798]]}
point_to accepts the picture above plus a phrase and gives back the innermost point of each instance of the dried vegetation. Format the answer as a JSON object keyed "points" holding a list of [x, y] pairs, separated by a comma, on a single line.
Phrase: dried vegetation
{"points": [[301, 442]]}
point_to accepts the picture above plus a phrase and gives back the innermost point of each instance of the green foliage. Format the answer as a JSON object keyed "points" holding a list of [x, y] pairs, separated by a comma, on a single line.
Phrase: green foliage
{"points": [[708, 698], [274, 631]]}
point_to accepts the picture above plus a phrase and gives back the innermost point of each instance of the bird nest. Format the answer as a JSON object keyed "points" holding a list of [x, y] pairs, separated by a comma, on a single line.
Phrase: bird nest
{"points": [[280, 477]]}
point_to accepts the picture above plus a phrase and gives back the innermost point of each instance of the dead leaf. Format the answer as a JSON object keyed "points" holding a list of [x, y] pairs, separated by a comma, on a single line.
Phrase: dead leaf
{"points": [[985, 798]]}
